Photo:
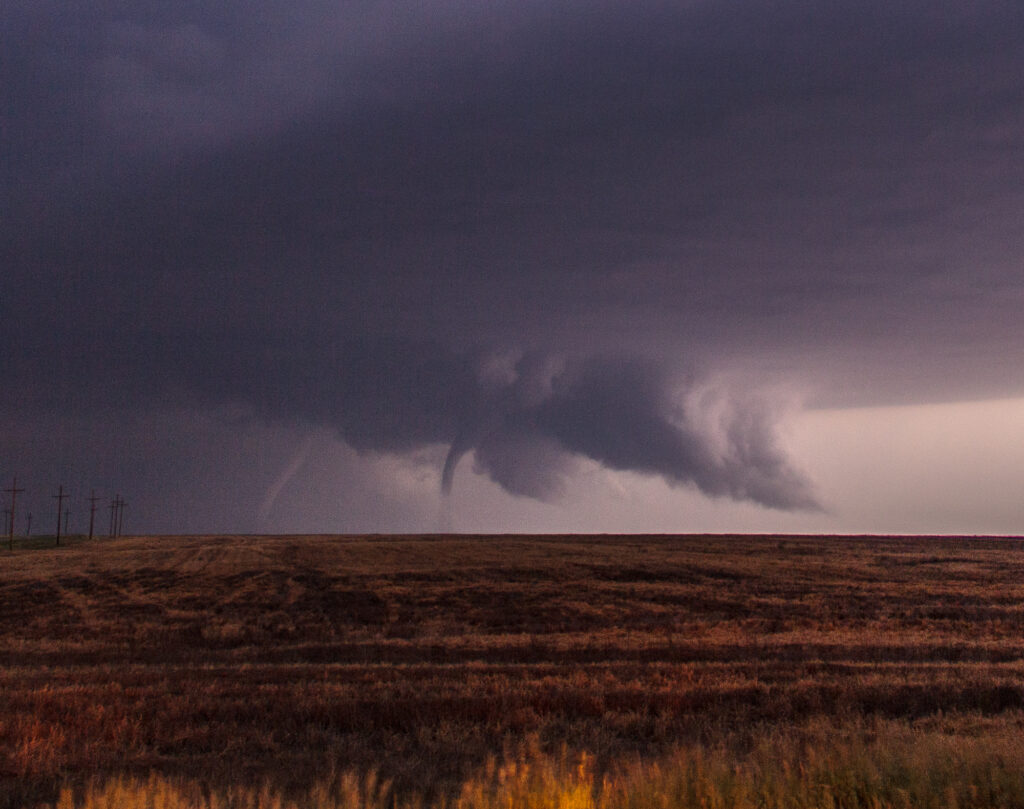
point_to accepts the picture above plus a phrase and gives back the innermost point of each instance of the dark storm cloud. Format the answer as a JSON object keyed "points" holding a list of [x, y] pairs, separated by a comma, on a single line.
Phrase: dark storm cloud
{"points": [[343, 213], [630, 416], [526, 417], [624, 417]]}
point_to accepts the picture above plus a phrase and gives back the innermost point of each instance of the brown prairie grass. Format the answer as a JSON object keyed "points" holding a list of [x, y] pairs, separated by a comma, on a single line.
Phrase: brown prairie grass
{"points": [[888, 765], [274, 660]]}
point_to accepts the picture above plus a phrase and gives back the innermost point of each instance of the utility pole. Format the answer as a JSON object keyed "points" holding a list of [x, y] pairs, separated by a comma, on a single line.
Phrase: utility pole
{"points": [[28, 530], [92, 511], [13, 492], [59, 497], [113, 514], [120, 514]]}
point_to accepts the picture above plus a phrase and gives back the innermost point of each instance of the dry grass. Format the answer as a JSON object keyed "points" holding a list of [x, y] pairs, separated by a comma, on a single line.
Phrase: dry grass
{"points": [[249, 660], [884, 765]]}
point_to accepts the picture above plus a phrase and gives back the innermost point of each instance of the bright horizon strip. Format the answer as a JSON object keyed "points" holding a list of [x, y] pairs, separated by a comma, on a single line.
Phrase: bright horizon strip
{"points": [[950, 468]]}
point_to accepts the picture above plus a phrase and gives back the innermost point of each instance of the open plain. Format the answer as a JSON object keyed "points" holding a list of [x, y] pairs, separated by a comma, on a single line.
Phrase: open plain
{"points": [[286, 660]]}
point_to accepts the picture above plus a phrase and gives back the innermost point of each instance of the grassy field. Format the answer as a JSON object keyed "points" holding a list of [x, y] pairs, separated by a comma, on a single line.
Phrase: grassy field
{"points": [[294, 663]]}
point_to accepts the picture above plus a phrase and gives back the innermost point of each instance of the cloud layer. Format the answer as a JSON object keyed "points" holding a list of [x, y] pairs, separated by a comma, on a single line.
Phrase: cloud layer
{"points": [[532, 231]]}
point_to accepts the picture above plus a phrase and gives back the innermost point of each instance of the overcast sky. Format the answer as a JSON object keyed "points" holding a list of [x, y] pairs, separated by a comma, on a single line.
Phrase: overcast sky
{"points": [[380, 266]]}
